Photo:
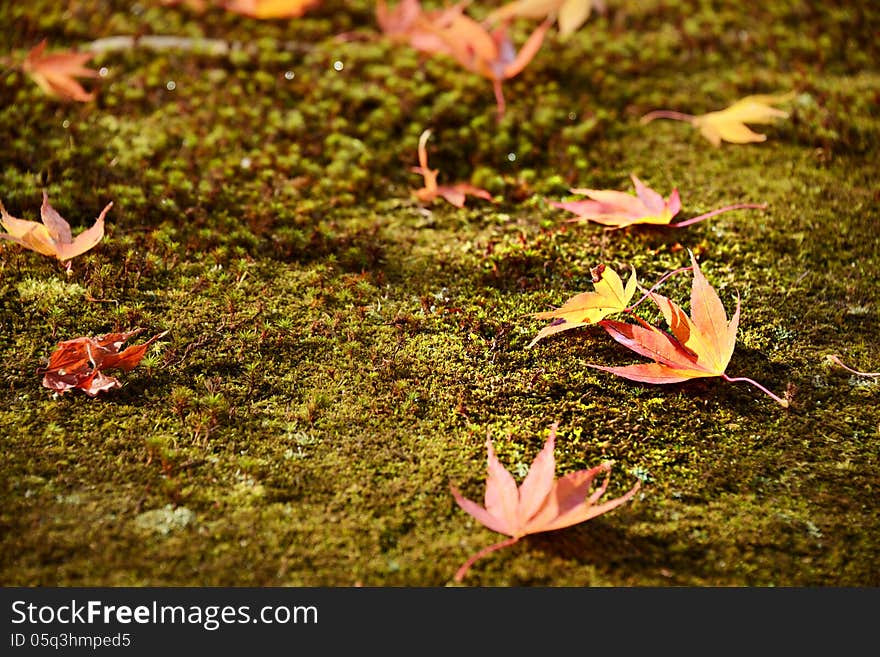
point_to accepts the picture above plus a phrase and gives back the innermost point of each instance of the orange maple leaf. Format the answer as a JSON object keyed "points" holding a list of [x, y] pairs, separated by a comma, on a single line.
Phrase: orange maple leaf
{"points": [[55, 73], [729, 124], [700, 345], [264, 9], [541, 503], [490, 54], [409, 23], [80, 362], [52, 237], [455, 194], [618, 209]]}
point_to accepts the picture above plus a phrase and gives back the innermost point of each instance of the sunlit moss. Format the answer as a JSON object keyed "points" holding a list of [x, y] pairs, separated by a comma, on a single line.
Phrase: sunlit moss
{"points": [[336, 354]]}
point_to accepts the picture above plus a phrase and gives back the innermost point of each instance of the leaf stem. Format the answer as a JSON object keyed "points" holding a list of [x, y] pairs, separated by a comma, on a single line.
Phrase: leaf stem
{"points": [[744, 379], [726, 208], [655, 286], [667, 114], [461, 572], [836, 359], [499, 98]]}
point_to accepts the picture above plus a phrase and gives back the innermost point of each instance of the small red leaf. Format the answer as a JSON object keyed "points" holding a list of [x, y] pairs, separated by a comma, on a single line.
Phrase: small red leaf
{"points": [[81, 362]]}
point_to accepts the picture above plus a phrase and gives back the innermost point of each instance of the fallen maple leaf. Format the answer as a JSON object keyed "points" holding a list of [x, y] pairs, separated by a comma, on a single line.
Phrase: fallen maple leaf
{"points": [[52, 237], [729, 124], [455, 194], [264, 9], [80, 362], [409, 23], [541, 503], [609, 296], [836, 360], [55, 73], [700, 345], [569, 14], [490, 54], [619, 209]]}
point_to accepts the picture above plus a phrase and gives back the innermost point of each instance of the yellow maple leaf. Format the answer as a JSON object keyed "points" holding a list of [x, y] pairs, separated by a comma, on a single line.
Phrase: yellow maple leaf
{"points": [[609, 296], [264, 9], [570, 14], [729, 124]]}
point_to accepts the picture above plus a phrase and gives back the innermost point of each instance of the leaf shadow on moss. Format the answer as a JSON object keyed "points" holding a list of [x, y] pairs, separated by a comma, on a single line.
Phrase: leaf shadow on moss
{"points": [[616, 553]]}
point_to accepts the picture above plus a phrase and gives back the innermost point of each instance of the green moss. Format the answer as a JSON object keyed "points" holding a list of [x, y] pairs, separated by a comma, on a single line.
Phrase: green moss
{"points": [[337, 354]]}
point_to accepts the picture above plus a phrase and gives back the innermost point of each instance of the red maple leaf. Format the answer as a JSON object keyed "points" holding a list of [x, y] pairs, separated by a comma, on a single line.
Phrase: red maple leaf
{"points": [[80, 362]]}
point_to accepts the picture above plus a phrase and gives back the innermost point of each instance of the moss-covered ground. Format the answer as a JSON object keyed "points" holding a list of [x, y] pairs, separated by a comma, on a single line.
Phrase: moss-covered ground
{"points": [[337, 354]]}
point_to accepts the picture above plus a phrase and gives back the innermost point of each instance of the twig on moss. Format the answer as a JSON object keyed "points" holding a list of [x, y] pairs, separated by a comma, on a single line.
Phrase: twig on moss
{"points": [[200, 45]]}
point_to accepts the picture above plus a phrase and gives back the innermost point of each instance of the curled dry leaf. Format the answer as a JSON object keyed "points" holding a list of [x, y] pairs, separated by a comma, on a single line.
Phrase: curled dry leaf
{"points": [[608, 296], [55, 73], [541, 503], [618, 209], [265, 9], [455, 194], [700, 345], [81, 362], [569, 14], [729, 124], [53, 236]]}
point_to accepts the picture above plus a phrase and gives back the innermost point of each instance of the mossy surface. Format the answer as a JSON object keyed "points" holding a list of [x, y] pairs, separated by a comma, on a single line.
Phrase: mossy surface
{"points": [[337, 354]]}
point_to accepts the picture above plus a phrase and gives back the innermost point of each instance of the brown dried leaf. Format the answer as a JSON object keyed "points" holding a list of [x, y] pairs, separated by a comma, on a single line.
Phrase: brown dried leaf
{"points": [[455, 193]]}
